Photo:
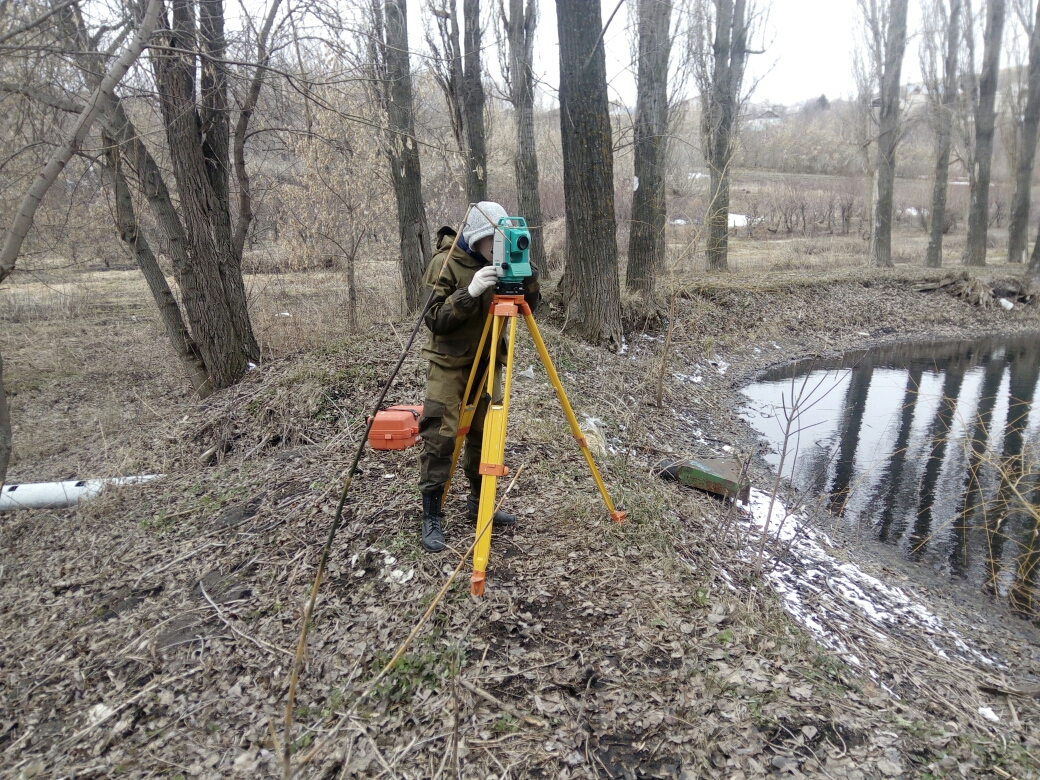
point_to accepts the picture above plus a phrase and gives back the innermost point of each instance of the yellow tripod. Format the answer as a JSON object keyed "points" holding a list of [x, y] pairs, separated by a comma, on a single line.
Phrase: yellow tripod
{"points": [[505, 308]]}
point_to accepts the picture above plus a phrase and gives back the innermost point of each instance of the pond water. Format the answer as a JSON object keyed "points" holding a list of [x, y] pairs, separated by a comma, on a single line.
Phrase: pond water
{"points": [[931, 447]]}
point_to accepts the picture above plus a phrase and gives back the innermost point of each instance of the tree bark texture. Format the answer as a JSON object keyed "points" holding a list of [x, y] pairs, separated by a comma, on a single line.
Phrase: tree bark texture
{"points": [[646, 241], [985, 123], [59, 159], [943, 137], [473, 105], [139, 248], [403, 153], [214, 111], [1018, 226], [720, 105], [197, 137], [888, 136], [591, 278], [520, 27]]}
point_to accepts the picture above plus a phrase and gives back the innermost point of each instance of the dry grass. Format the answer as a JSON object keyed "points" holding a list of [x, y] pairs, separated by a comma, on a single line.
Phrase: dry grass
{"points": [[626, 640]]}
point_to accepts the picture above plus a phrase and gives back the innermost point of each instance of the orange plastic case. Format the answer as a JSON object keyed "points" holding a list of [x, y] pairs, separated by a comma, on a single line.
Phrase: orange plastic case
{"points": [[396, 428]]}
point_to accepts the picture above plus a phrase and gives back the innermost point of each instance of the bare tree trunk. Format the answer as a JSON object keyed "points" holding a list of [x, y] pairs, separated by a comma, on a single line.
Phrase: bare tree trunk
{"points": [[197, 302], [591, 277], [1018, 226], [473, 106], [224, 347], [646, 242], [985, 121], [34, 195], [888, 136], [215, 114], [403, 153], [722, 75], [520, 27], [352, 307], [137, 244], [245, 200], [943, 137], [448, 67]]}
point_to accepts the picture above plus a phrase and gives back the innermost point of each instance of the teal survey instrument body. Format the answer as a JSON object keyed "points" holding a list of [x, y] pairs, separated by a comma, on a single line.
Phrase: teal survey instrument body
{"points": [[511, 255]]}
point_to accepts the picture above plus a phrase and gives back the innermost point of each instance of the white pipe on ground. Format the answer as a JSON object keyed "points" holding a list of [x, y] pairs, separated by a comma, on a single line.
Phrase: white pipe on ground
{"points": [[57, 495]]}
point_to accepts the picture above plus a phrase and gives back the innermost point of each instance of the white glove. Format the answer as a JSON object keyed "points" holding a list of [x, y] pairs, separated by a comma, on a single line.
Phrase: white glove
{"points": [[483, 279]]}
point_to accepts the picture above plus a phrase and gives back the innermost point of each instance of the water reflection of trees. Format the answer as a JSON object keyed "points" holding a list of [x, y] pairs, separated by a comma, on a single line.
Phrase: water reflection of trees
{"points": [[897, 462], [852, 422], [996, 466], [938, 437]]}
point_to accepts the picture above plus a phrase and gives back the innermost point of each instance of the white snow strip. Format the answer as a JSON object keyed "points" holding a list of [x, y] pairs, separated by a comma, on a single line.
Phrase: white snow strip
{"points": [[829, 597]]}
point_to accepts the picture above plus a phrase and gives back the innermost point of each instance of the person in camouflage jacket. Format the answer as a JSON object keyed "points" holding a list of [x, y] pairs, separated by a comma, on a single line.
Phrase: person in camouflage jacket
{"points": [[461, 291]]}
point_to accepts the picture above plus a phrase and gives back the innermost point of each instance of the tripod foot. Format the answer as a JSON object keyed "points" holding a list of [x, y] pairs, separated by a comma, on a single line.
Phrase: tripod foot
{"points": [[618, 516], [476, 583]]}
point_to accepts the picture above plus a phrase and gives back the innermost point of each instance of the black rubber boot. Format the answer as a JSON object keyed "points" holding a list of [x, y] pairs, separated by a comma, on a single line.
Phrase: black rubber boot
{"points": [[432, 535], [473, 506]]}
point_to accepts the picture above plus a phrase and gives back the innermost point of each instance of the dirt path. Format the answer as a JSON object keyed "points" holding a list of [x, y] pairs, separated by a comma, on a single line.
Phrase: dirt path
{"points": [[148, 633]]}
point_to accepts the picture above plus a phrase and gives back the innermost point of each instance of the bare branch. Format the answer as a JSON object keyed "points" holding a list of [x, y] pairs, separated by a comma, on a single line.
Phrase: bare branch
{"points": [[27, 211]]}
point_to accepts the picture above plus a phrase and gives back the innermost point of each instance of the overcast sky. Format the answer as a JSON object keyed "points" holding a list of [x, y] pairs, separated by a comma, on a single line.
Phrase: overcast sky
{"points": [[809, 49]]}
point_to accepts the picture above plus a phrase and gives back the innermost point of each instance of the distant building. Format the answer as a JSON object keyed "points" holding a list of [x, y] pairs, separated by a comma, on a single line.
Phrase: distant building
{"points": [[767, 118], [915, 96]]}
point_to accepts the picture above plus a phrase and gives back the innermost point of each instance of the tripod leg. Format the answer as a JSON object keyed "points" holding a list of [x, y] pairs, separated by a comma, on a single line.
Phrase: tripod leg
{"points": [[469, 406], [492, 456], [554, 378]]}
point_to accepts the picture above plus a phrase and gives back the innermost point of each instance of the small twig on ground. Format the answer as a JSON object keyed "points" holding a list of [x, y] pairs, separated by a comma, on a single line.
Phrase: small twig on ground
{"points": [[258, 642], [176, 560], [499, 703]]}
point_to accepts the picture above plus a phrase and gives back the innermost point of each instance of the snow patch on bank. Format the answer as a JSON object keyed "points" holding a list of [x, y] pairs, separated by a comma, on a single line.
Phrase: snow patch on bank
{"points": [[831, 598]]}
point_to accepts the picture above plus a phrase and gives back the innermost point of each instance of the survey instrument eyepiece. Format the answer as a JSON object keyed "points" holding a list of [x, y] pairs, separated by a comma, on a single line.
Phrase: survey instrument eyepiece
{"points": [[510, 256]]}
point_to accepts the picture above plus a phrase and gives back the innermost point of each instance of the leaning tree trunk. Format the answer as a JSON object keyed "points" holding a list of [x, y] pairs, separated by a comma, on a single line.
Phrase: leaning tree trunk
{"points": [[888, 136], [404, 156], [520, 27], [121, 131], [943, 138], [1018, 227], [646, 240], [141, 251], [591, 278], [985, 123], [473, 105], [23, 220], [245, 199], [193, 288], [59, 159], [720, 106]]}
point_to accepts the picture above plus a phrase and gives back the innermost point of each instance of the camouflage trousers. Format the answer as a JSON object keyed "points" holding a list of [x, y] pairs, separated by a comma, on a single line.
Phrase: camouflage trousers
{"points": [[440, 423]]}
